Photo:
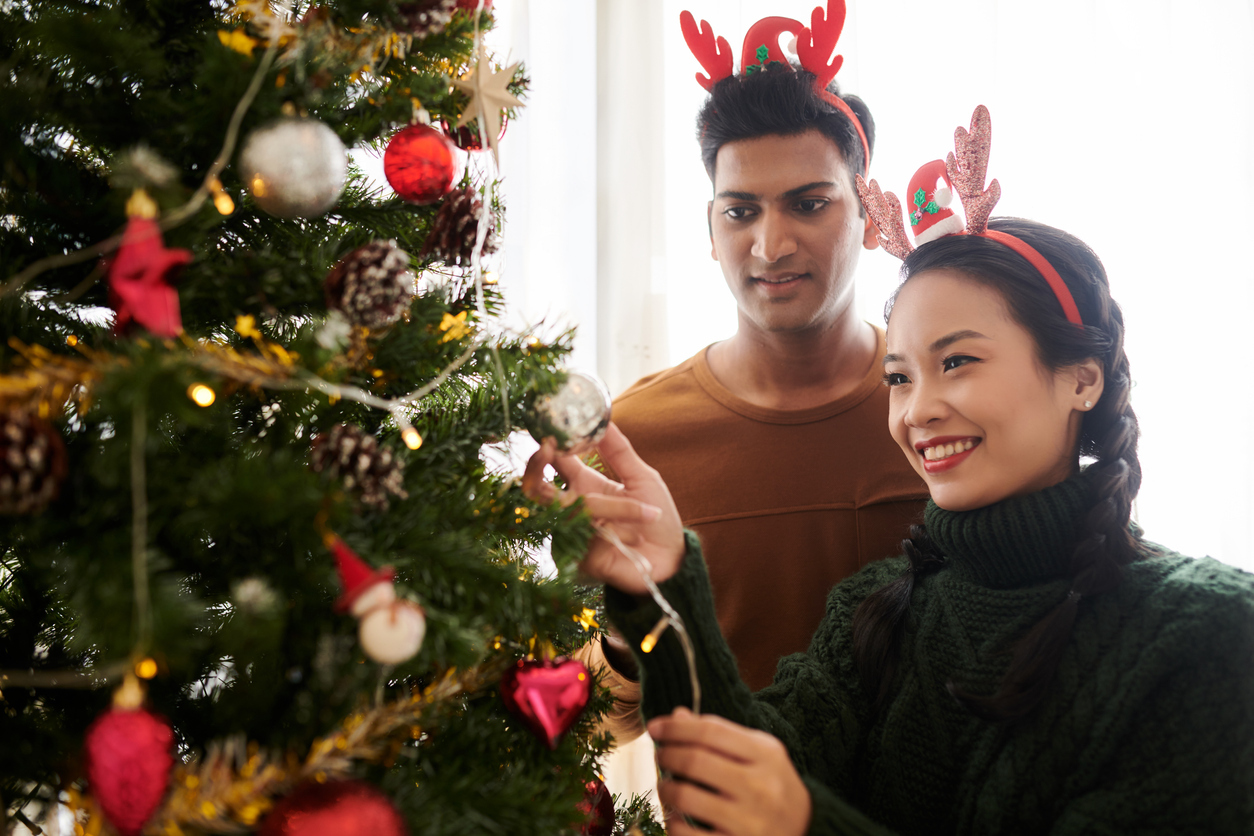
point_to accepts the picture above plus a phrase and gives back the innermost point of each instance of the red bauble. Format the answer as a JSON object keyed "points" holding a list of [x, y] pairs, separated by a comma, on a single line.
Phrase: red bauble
{"points": [[547, 695], [338, 808], [128, 765], [467, 137], [138, 279], [419, 164], [471, 5], [598, 810]]}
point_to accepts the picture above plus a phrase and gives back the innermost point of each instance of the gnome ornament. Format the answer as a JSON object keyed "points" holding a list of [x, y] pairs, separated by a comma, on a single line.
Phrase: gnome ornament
{"points": [[390, 629], [931, 193]]}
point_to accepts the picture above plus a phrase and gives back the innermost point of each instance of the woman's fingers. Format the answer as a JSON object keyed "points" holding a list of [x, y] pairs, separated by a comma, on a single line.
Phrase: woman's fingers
{"points": [[620, 509]]}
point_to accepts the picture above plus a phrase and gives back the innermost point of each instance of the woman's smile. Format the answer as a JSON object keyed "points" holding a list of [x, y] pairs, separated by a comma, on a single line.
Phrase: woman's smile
{"points": [[946, 452]]}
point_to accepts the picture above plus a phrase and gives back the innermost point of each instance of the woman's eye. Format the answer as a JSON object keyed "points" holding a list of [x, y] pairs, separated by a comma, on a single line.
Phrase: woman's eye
{"points": [[951, 363], [895, 379]]}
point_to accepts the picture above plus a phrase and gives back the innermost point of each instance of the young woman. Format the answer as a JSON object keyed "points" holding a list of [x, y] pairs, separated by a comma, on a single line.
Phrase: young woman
{"points": [[1030, 665]]}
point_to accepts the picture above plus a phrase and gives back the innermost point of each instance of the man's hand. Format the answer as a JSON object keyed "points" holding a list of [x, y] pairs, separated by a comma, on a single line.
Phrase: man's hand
{"points": [[639, 510], [738, 780]]}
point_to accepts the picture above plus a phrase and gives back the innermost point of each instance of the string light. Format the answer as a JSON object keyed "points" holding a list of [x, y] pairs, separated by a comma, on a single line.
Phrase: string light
{"points": [[411, 438], [147, 668], [201, 394], [221, 200], [650, 641]]}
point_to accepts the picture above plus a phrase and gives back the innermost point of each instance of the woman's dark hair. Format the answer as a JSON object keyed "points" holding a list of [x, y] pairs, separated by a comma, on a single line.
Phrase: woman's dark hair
{"points": [[1108, 434], [779, 100]]}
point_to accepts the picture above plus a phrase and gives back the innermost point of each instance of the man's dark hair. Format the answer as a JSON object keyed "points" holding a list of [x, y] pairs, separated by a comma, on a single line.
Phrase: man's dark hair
{"points": [[781, 100]]}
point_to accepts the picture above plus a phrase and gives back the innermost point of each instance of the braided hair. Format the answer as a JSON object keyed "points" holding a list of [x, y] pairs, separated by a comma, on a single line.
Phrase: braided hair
{"points": [[1108, 434]]}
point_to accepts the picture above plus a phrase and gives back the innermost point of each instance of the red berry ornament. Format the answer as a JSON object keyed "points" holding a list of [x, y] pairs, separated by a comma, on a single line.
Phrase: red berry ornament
{"points": [[598, 810], [472, 5], [419, 164], [338, 808], [548, 695], [128, 765]]}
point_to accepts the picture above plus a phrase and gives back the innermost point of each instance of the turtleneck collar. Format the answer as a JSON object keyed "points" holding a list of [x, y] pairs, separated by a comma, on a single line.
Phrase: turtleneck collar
{"points": [[1016, 542]]}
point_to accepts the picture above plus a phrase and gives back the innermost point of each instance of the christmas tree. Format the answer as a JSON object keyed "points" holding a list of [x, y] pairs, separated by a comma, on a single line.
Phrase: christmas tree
{"points": [[255, 574]]}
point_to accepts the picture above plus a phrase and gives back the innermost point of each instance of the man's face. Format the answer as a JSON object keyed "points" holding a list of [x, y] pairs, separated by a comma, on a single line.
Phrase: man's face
{"points": [[786, 229]]}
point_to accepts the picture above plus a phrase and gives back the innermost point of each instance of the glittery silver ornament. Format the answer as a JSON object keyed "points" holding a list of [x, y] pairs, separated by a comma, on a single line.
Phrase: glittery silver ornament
{"points": [[294, 167], [577, 414]]}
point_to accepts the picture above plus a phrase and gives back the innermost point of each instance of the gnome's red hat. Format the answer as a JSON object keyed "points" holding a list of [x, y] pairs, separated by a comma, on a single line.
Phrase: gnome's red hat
{"points": [[355, 576], [930, 194]]}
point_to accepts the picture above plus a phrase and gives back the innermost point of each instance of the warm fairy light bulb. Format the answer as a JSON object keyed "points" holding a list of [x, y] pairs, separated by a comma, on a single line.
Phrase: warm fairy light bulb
{"points": [[201, 394], [259, 186], [147, 668], [489, 277], [223, 203], [650, 641], [411, 438]]}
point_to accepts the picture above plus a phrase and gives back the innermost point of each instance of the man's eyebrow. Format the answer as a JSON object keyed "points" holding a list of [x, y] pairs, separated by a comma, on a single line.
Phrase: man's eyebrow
{"points": [[809, 187], [941, 344]]}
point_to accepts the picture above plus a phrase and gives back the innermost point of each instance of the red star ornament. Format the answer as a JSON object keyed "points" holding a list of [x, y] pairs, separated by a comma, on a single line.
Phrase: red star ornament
{"points": [[139, 277]]}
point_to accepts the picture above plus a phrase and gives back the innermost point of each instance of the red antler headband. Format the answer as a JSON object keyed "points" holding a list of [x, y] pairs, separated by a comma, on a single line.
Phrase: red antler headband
{"points": [[930, 217], [815, 45]]}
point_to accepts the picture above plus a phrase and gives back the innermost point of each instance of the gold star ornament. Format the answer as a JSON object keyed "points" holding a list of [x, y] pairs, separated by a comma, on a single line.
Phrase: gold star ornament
{"points": [[489, 95]]}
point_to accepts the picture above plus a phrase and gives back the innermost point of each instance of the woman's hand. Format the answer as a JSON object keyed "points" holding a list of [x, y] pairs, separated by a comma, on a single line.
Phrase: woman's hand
{"points": [[738, 780], [639, 510]]}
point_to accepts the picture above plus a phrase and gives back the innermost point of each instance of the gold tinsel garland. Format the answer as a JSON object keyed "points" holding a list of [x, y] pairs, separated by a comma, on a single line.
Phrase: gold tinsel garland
{"points": [[234, 784]]}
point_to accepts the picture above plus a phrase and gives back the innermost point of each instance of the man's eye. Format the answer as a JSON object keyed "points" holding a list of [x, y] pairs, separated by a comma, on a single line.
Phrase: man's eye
{"points": [[738, 213], [810, 205], [895, 379], [951, 363]]}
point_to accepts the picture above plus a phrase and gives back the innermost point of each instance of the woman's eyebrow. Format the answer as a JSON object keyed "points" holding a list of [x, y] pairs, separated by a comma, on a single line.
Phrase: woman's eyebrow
{"points": [[949, 339], [941, 344]]}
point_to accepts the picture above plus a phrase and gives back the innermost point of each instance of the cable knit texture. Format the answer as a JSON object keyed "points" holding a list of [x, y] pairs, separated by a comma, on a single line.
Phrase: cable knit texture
{"points": [[1148, 727]]}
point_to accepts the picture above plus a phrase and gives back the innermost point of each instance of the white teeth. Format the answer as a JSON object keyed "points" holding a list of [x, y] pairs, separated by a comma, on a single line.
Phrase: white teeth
{"points": [[944, 451]]}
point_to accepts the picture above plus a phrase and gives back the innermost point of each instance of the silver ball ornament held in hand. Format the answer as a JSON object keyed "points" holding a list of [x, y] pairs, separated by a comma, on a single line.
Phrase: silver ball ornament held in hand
{"points": [[577, 414], [294, 167]]}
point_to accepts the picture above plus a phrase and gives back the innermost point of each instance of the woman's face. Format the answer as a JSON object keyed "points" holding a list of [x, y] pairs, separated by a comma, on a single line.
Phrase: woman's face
{"points": [[971, 406]]}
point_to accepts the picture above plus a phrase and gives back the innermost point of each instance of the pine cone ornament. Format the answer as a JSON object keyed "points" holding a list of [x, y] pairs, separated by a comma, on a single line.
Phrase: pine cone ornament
{"points": [[350, 454], [426, 17], [372, 285], [456, 228], [32, 463]]}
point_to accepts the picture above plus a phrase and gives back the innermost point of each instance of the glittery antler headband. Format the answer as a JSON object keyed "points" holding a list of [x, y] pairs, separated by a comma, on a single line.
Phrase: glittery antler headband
{"points": [[815, 45], [964, 168]]}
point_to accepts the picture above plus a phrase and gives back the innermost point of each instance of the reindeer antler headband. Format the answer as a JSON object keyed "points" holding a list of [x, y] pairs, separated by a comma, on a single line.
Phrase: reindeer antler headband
{"points": [[815, 45], [963, 169]]}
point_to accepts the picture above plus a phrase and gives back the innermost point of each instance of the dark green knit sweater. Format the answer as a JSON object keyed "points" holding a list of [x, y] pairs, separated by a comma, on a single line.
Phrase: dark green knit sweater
{"points": [[1148, 727]]}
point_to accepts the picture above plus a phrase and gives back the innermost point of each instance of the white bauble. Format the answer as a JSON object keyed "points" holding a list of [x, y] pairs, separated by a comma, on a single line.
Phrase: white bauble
{"points": [[294, 167], [392, 634]]}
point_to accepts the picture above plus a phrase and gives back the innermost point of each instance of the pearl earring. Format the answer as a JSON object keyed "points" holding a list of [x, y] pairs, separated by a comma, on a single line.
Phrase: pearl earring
{"points": [[1088, 404]]}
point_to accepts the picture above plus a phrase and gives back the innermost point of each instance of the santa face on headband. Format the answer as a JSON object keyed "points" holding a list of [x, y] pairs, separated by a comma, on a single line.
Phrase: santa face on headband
{"points": [[786, 227], [972, 407]]}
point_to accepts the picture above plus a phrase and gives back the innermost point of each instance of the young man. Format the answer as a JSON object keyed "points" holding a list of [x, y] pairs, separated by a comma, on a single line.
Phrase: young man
{"points": [[775, 442]]}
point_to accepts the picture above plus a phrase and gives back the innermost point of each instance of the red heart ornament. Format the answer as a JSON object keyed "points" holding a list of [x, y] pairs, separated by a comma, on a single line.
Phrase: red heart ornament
{"points": [[548, 695]]}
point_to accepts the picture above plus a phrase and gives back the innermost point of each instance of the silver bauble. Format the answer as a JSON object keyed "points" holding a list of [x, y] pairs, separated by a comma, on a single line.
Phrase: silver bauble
{"points": [[294, 167], [576, 415]]}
